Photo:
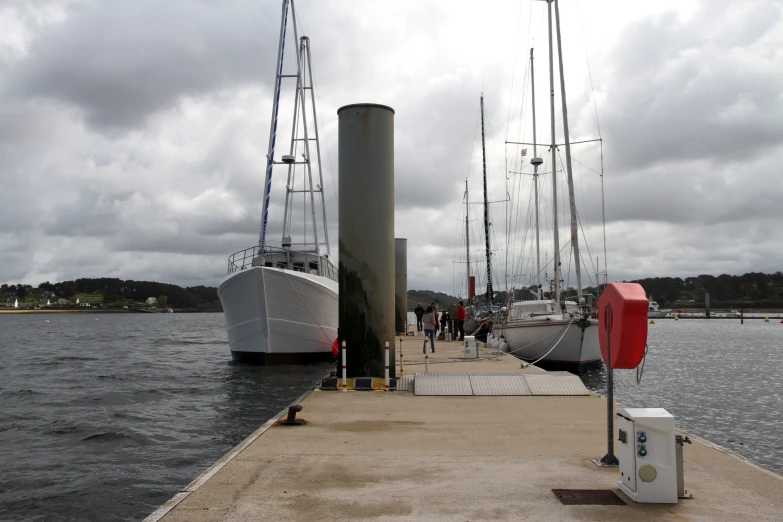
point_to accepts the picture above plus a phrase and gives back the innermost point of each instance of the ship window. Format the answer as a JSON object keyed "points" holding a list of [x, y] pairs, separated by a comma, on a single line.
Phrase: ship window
{"points": [[313, 265], [268, 263]]}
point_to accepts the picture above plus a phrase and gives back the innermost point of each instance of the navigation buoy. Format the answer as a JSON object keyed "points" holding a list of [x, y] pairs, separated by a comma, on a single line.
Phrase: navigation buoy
{"points": [[652, 321], [766, 319], [676, 317]]}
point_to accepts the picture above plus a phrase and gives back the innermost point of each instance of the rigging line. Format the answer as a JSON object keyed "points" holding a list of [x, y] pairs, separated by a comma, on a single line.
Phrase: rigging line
{"points": [[587, 59], [513, 73], [579, 221], [585, 166]]}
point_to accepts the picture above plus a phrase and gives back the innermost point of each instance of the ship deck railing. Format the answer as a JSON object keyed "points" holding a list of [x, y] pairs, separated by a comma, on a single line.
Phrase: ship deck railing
{"points": [[284, 258]]}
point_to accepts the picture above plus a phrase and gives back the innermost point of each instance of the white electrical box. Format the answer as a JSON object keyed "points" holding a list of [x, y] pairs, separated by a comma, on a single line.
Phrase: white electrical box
{"points": [[648, 466], [470, 347]]}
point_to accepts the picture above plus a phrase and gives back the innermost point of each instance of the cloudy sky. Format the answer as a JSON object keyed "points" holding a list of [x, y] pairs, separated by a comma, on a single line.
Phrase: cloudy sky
{"points": [[133, 135]]}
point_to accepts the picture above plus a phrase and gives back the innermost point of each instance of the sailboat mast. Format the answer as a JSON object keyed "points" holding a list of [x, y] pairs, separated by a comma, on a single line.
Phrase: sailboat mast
{"points": [[569, 173], [273, 130], [486, 210], [467, 239], [556, 297], [535, 161]]}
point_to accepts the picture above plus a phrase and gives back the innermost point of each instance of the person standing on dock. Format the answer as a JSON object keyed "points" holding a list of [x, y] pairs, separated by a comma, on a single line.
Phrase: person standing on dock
{"points": [[435, 315], [429, 328], [462, 314], [444, 320], [453, 311], [419, 311]]}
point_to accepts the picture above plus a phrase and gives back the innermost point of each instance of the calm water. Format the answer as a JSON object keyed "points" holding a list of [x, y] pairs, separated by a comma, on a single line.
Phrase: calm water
{"points": [[105, 417], [721, 380]]}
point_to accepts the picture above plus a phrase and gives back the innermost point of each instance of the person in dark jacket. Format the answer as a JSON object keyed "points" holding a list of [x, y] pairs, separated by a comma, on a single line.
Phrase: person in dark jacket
{"points": [[452, 313], [419, 311]]}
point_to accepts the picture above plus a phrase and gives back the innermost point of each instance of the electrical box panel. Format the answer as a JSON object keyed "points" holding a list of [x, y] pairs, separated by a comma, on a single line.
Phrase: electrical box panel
{"points": [[648, 466], [470, 347]]}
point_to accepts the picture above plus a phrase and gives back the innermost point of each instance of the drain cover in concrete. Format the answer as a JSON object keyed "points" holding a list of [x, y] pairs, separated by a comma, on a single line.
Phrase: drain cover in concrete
{"points": [[543, 384], [442, 384], [499, 385], [588, 497]]}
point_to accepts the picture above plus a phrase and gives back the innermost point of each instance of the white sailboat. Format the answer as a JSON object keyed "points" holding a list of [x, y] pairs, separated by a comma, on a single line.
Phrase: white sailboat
{"points": [[554, 333], [280, 303]]}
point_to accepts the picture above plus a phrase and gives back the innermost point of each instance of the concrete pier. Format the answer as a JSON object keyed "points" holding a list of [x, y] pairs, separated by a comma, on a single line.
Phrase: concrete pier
{"points": [[398, 456]]}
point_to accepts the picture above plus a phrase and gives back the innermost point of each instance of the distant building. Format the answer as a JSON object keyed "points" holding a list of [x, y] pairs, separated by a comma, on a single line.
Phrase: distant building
{"points": [[74, 300], [12, 303], [62, 301], [24, 306], [44, 302], [84, 304], [9, 295], [152, 300]]}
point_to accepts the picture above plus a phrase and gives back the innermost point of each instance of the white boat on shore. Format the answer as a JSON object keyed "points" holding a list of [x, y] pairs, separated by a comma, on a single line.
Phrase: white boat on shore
{"points": [[654, 312], [280, 303]]}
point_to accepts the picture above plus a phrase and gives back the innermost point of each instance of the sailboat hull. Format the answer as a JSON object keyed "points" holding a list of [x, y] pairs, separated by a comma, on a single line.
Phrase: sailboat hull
{"points": [[577, 351], [278, 316]]}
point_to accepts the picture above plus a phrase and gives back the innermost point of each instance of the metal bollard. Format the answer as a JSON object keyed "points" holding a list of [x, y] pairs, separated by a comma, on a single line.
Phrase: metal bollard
{"points": [[386, 359], [345, 379], [426, 358]]}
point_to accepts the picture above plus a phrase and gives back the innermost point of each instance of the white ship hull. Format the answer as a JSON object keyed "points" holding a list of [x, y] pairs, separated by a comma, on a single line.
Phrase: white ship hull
{"points": [[531, 339], [657, 314], [275, 315]]}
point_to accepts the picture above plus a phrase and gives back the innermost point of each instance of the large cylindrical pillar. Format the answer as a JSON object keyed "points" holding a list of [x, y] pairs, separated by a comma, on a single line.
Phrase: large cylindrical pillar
{"points": [[400, 284], [366, 211]]}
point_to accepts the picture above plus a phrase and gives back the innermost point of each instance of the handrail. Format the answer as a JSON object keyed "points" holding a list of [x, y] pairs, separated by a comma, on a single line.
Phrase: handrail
{"points": [[296, 260]]}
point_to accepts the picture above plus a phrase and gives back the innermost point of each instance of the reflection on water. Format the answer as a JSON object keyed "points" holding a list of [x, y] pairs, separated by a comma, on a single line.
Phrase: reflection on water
{"points": [[109, 416], [721, 380]]}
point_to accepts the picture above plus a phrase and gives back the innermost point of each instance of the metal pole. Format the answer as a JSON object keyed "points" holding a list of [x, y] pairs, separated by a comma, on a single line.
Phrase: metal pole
{"points": [[535, 177], [345, 388], [569, 172], [386, 373], [317, 146], [556, 297], [366, 222], [402, 367], [273, 130], [742, 304], [467, 239], [486, 211], [308, 165], [426, 358], [609, 459]]}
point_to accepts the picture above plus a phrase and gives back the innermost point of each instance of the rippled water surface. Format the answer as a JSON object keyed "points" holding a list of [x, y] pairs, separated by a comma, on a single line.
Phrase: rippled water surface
{"points": [[105, 417], [721, 380]]}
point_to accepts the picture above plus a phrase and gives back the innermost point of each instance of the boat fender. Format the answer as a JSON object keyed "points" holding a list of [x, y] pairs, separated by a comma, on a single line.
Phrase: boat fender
{"points": [[503, 347], [335, 348]]}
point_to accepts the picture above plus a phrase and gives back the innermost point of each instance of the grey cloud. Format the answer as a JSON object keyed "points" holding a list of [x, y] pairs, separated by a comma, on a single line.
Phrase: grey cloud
{"points": [[122, 61]]}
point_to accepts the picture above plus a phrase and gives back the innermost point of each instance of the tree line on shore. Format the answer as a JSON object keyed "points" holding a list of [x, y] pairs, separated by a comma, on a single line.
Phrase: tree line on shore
{"points": [[117, 291], [750, 290]]}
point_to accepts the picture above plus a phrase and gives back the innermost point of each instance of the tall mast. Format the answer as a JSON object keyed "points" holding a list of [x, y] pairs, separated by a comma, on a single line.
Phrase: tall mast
{"points": [[556, 297], [467, 238], [569, 175], [536, 161], [273, 131], [486, 210]]}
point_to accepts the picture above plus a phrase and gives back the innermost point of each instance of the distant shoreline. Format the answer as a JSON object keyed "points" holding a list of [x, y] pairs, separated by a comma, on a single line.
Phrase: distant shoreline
{"points": [[82, 311]]}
